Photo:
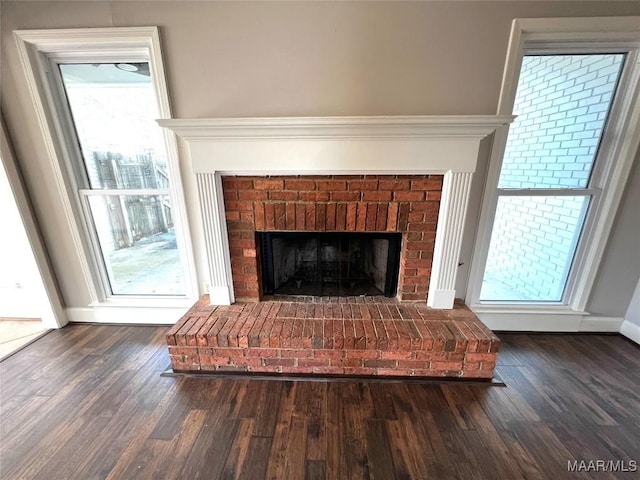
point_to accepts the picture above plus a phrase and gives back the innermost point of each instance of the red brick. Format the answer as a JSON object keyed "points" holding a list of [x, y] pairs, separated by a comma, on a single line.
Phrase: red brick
{"points": [[279, 362], [446, 365], [431, 184], [328, 353], [368, 354], [416, 216], [288, 353], [205, 360], [431, 355], [363, 185], [392, 217], [228, 352], [300, 216], [310, 214], [231, 183], [331, 185], [413, 364], [321, 218], [248, 362], [393, 185], [380, 363], [351, 217], [283, 196], [361, 217], [372, 210], [349, 330], [291, 216], [471, 366], [270, 216], [314, 196], [429, 207], [341, 216], [252, 195], [268, 184], [395, 355], [331, 216], [346, 362], [313, 362], [230, 195], [274, 336], [299, 184], [231, 216], [488, 366], [411, 196], [281, 216], [403, 216], [239, 205], [381, 219], [480, 357], [344, 196], [376, 196]]}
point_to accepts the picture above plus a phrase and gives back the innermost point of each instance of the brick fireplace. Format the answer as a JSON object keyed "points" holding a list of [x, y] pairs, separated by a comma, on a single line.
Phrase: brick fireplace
{"points": [[407, 204], [397, 175]]}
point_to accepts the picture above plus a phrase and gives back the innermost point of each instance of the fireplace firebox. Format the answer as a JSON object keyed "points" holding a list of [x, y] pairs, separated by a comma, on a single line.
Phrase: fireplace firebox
{"points": [[329, 263]]}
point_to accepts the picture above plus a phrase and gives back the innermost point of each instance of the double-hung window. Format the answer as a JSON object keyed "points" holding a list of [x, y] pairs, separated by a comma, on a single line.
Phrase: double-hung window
{"points": [[104, 89], [556, 174], [122, 171]]}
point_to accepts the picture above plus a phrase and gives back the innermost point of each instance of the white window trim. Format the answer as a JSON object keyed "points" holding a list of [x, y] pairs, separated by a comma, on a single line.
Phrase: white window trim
{"points": [[36, 48], [531, 35]]}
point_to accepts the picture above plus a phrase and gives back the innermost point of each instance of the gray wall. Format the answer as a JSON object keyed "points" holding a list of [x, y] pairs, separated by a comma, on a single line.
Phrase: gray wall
{"points": [[301, 59], [633, 312]]}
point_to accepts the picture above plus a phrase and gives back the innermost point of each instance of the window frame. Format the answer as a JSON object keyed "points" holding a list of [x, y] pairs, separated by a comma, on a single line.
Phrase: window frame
{"points": [[40, 52], [571, 35]]}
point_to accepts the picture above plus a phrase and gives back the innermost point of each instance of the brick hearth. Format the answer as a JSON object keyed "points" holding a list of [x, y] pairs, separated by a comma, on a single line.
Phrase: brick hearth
{"points": [[333, 336], [334, 203]]}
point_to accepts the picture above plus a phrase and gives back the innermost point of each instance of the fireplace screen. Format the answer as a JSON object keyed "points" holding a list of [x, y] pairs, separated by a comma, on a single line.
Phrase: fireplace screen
{"points": [[329, 263]]}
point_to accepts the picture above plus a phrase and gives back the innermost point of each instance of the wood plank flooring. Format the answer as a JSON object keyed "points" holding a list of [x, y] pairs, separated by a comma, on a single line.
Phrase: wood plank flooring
{"points": [[88, 402]]}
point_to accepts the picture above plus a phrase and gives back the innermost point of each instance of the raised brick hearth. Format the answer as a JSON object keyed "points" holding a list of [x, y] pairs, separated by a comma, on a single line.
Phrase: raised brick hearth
{"points": [[333, 336], [334, 203]]}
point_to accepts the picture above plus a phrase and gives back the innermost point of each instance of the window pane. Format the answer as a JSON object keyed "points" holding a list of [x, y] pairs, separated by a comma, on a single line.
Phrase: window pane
{"points": [[562, 103], [138, 244], [114, 107], [532, 247]]}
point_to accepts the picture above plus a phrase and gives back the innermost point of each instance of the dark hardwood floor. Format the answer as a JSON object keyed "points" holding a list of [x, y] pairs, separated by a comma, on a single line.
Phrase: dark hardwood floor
{"points": [[88, 402]]}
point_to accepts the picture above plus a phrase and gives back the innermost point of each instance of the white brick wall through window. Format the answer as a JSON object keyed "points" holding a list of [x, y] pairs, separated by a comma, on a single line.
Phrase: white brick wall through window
{"points": [[562, 103]]}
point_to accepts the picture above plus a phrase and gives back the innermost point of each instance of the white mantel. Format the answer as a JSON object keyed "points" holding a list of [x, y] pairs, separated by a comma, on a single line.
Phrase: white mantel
{"points": [[405, 145]]}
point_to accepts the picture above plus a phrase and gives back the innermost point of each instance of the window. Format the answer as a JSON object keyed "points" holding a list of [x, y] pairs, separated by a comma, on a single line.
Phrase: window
{"points": [[562, 104], [556, 175], [98, 93], [124, 175]]}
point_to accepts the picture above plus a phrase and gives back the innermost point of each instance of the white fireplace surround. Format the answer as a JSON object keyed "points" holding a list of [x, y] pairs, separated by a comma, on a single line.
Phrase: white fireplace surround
{"points": [[402, 145]]}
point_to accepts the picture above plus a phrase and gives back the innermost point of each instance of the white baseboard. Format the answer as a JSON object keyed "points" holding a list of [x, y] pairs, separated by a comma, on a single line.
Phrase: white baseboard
{"points": [[528, 322], [127, 315], [631, 331], [601, 324], [549, 322]]}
